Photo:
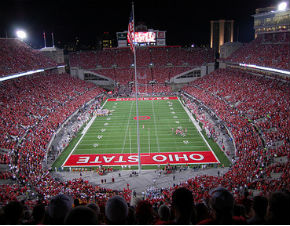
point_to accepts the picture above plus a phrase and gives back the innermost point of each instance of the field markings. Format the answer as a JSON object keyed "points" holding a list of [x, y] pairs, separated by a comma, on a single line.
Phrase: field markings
{"points": [[161, 135], [145, 153], [83, 134], [127, 126], [162, 143], [198, 129], [155, 126]]}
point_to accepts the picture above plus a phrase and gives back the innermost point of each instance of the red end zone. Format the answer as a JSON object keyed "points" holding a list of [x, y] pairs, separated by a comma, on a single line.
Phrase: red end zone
{"points": [[143, 98], [146, 159]]}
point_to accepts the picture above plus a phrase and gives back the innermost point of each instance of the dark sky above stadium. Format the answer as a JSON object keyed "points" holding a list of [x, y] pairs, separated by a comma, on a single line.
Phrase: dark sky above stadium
{"points": [[186, 21]]}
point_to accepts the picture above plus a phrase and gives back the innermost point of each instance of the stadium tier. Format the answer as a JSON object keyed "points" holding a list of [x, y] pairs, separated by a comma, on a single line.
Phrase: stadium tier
{"points": [[16, 57], [32, 109], [268, 50], [153, 63], [255, 110]]}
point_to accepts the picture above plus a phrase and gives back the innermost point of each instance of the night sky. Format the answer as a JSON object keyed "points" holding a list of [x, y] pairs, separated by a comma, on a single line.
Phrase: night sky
{"points": [[186, 21]]}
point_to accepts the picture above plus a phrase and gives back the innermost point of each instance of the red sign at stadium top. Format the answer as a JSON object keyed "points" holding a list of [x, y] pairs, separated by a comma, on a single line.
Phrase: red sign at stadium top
{"points": [[146, 159], [143, 98]]}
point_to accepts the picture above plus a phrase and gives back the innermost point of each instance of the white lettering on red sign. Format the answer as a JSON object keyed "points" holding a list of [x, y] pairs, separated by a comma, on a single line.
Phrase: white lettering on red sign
{"points": [[96, 160], [121, 159], [83, 160], [178, 157], [201, 157], [132, 159], [107, 160], [159, 160]]}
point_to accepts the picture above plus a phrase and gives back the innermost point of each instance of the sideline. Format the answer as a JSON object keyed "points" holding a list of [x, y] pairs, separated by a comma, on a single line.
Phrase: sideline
{"points": [[83, 134], [198, 129]]}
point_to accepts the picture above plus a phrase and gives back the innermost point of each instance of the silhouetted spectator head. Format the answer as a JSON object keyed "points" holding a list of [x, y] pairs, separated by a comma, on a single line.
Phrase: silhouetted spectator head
{"points": [[144, 213], [131, 219], [81, 215], [58, 208], [13, 212], [279, 205], [239, 210], [222, 201], [38, 214], [260, 204], [221, 204], [202, 212], [116, 210], [94, 207], [164, 212], [182, 203]]}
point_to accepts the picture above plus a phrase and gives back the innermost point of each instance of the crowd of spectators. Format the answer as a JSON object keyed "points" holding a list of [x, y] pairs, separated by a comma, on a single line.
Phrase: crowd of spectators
{"points": [[268, 50], [152, 89], [153, 63], [219, 208], [71, 127], [4, 158], [254, 108], [212, 129], [42, 103], [158, 56], [241, 100], [16, 57]]}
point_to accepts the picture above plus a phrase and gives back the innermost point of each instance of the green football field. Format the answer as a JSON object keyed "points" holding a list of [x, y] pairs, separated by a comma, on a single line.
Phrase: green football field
{"points": [[114, 137]]}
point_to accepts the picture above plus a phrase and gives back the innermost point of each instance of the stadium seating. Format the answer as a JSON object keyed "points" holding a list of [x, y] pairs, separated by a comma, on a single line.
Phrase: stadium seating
{"points": [[4, 158], [153, 89], [270, 50], [41, 103], [84, 59], [157, 63], [255, 110], [18, 57]]}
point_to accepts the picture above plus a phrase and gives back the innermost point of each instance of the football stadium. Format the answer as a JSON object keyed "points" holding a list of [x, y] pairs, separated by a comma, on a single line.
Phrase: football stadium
{"points": [[142, 132]]}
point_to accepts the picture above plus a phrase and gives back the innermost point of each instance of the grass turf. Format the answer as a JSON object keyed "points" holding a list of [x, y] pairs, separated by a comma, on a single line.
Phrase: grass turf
{"points": [[116, 133]]}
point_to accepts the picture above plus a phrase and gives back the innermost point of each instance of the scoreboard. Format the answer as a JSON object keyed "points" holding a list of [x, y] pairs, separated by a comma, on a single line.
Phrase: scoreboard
{"points": [[144, 38]]}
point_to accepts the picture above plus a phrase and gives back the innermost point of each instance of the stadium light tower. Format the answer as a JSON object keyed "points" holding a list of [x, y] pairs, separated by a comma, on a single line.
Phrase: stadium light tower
{"points": [[21, 34], [282, 6]]}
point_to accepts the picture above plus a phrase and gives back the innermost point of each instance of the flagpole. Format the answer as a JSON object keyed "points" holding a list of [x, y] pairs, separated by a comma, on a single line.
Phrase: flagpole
{"points": [[136, 94], [52, 39], [44, 39]]}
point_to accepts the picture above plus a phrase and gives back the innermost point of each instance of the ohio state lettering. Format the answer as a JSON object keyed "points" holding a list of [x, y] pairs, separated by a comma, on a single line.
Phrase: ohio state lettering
{"points": [[142, 98], [146, 159]]}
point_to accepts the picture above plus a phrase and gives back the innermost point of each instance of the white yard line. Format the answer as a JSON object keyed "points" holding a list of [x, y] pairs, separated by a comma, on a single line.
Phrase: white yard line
{"points": [[83, 134], [130, 141], [149, 140], [155, 126], [198, 129], [127, 127]]}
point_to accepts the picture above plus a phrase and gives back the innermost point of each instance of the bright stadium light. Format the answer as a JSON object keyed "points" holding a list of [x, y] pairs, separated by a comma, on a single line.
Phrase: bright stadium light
{"points": [[282, 6], [21, 34]]}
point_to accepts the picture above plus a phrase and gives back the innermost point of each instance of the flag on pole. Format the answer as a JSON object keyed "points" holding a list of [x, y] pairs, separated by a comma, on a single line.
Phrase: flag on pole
{"points": [[130, 34]]}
